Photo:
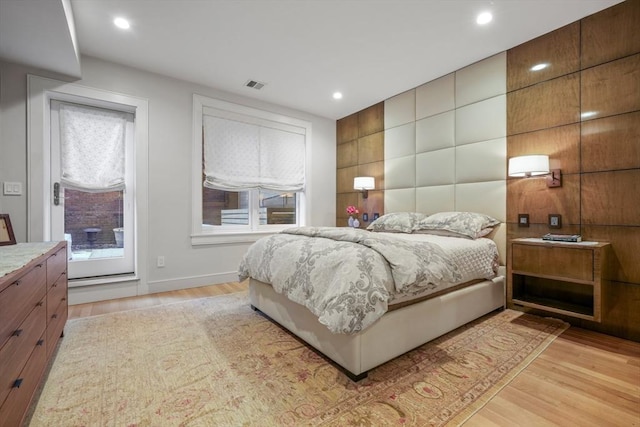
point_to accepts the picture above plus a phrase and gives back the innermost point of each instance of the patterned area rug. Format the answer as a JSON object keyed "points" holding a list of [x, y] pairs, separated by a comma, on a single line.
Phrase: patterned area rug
{"points": [[215, 362]]}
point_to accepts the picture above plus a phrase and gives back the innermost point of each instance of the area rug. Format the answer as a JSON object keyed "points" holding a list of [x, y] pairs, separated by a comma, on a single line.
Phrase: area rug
{"points": [[215, 362]]}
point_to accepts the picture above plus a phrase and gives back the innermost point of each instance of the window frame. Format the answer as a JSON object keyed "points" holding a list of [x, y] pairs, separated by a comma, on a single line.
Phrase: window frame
{"points": [[202, 234]]}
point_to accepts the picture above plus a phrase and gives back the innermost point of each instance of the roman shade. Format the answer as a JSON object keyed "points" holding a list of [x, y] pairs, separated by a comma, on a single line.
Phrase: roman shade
{"points": [[240, 156], [92, 148]]}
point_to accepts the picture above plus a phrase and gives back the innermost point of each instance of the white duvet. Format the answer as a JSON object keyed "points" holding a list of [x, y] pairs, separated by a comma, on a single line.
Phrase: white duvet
{"points": [[348, 277]]}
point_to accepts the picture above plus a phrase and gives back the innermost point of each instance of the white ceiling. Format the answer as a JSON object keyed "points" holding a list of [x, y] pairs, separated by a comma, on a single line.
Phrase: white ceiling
{"points": [[304, 50]]}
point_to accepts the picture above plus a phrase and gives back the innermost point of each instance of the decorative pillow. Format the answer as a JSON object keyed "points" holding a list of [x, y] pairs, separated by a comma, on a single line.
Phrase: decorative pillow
{"points": [[470, 225], [397, 222]]}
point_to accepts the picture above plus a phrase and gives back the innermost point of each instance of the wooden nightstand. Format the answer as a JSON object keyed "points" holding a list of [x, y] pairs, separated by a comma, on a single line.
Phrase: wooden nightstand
{"points": [[564, 278]]}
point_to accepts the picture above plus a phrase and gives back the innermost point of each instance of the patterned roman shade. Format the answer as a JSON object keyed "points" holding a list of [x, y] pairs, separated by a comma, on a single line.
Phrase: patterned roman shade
{"points": [[92, 148], [241, 156]]}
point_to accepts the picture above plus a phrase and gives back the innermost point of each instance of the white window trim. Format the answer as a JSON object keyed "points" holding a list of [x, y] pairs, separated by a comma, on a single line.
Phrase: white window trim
{"points": [[40, 92], [208, 235]]}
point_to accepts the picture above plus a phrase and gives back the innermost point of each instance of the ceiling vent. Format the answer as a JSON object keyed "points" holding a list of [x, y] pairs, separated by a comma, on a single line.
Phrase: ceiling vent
{"points": [[254, 84]]}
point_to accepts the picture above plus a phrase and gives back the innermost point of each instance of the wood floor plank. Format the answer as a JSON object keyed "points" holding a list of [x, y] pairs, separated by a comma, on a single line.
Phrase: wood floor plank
{"points": [[513, 410], [142, 301], [625, 393], [582, 379]]}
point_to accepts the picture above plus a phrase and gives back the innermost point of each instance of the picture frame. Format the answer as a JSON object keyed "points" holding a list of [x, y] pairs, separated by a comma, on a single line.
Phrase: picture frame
{"points": [[6, 231]]}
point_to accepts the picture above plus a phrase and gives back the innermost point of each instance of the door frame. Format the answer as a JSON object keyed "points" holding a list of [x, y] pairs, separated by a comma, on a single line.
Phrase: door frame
{"points": [[40, 92]]}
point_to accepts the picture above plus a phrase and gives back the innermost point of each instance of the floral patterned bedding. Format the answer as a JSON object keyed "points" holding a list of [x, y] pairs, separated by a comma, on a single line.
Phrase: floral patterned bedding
{"points": [[346, 276]]}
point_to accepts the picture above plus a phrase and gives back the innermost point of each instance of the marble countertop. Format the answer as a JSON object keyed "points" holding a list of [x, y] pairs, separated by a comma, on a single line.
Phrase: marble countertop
{"points": [[13, 257]]}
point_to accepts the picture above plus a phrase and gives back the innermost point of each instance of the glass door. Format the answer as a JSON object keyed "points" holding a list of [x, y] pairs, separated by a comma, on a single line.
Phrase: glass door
{"points": [[98, 225]]}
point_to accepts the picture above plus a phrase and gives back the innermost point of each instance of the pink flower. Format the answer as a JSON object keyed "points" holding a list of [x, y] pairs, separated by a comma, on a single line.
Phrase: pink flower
{"points": [[351, 210]]}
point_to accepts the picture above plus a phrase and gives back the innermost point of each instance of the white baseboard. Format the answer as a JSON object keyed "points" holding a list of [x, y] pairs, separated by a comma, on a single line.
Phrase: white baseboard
{"points": [[102, 292], [191, 282], [107, 291]]}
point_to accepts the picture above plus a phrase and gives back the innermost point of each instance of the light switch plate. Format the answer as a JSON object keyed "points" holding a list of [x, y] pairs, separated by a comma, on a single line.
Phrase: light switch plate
{"points": [[12, 189], [523, 220]]}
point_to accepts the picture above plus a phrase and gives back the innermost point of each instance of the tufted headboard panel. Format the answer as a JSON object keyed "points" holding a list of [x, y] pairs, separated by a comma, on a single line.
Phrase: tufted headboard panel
{"points": [[445, 145]]}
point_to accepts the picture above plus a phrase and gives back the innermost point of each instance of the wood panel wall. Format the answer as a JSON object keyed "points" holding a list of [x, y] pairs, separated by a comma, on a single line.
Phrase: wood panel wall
{"points": [[360, 152], [584, 112]]}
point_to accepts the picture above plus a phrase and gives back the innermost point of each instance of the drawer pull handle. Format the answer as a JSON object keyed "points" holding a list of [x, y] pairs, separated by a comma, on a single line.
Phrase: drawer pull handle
{"points": [[17, 332], [54, 316], [40, 303], [17, 383], [40, 342], [17, 283], [54, 285], [39, 265], [63, 299]]}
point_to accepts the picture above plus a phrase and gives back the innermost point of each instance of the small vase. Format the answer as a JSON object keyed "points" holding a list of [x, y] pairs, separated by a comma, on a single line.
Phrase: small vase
{"points": [[350, 221], [356, 223]]}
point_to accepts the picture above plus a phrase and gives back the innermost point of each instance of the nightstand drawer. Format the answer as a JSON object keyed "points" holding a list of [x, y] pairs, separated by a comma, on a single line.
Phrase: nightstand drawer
{"points": [[549, 260]]}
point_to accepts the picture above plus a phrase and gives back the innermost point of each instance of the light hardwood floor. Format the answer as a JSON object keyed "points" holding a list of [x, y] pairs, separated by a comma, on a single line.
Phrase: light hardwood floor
{"points": [[582, 379]]}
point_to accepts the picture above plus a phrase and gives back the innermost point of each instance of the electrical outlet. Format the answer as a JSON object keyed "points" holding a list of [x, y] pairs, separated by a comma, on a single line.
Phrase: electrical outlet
{"points": [[555, 221], [365, 217], [523, 220], [160, 262], [376, 215]]}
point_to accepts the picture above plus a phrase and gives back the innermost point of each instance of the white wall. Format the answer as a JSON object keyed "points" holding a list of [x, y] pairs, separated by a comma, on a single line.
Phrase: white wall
{"points": [[169, 157]]}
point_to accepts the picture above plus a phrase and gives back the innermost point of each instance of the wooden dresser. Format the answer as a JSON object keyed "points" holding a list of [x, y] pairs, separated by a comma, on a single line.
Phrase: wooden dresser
{"points": [[33, 312]]}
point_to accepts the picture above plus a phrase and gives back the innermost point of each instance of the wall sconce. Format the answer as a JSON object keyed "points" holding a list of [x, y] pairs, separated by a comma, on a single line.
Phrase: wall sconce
{"points": [[535, 165], [364, 184]]}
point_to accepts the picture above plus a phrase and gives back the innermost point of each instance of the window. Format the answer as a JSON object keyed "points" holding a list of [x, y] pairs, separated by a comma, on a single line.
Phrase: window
{"points": [[229, 208], [250, 175]]}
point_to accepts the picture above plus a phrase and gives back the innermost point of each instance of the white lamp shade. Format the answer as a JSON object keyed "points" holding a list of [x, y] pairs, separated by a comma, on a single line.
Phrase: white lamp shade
{"points": [[363, 183], [537, 164]]}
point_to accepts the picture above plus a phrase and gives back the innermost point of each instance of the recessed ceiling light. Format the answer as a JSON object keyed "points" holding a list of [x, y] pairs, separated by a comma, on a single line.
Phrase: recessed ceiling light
{"points": [[539, 67], [337, 95], [484, 18], [121, 23]]}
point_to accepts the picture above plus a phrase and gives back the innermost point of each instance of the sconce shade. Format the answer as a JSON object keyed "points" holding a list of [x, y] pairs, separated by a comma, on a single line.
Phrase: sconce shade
{"points": [[363, 183], [537, 164]]}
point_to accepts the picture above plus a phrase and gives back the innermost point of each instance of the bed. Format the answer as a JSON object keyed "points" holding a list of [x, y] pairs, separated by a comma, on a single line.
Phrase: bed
{"points": [[363, 297]]}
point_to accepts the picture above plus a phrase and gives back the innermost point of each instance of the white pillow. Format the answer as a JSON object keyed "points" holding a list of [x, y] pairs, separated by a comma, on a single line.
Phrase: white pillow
{"points": [[397, 222], [470, 225]]}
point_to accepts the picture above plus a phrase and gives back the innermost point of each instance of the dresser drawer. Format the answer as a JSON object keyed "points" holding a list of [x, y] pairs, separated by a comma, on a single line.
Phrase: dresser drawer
{"points": [[18, 348], [56, 294], [56, 264], [19, 298], [13, 409], [55, 326], [551, 260]]}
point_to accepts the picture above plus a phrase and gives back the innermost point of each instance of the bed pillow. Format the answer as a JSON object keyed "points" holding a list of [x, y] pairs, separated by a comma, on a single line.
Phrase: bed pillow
{"points": [[470, 225], [397, 222]]}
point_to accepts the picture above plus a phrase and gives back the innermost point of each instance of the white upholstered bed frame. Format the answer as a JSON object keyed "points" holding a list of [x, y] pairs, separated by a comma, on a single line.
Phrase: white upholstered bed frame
{"points": [[444, 150], [395, 333]]}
